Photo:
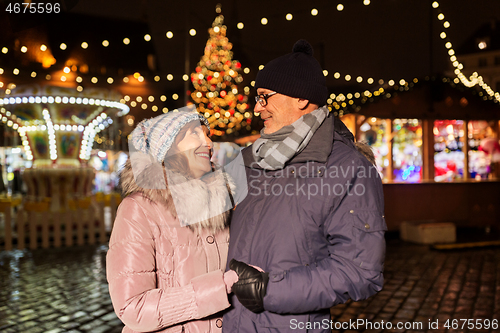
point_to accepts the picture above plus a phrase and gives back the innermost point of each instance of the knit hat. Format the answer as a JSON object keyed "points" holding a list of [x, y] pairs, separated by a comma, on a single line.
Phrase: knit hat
{"points": [[155, 136], [296, 74]]}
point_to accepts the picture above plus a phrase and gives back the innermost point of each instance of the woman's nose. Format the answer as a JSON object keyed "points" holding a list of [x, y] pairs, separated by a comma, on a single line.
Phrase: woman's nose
{"points": [[208, 141]]}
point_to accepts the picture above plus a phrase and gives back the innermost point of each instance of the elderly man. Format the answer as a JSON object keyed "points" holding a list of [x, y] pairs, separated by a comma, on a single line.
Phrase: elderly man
{"points": [[310, 233]]}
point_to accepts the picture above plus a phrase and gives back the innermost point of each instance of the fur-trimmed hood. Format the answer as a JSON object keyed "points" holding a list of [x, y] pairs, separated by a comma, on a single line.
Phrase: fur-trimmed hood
{"points": [[203, 203]]}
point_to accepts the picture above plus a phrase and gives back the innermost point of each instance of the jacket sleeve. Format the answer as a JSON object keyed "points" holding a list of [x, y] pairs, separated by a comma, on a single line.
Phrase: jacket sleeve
{"points": [[354, 231], [131, 274]]}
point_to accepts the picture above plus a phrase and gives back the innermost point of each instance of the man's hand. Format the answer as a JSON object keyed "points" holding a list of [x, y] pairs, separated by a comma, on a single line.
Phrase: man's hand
{"points": [[251, 286]]}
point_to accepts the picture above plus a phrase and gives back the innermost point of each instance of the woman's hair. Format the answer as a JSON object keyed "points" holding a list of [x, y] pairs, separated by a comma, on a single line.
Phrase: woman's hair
{"points": [[176, 160]]}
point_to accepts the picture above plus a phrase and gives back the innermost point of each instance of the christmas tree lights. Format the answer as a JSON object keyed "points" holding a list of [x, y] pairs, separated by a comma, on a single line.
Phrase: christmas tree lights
{"points": [[216, 81]]}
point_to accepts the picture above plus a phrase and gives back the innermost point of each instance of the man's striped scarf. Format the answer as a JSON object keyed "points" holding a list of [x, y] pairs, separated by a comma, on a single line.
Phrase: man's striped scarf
{"points": [[272, 151]]}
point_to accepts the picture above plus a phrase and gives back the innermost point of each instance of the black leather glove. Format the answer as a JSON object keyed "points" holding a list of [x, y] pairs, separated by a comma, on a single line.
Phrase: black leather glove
{"points": [[251, 286]]}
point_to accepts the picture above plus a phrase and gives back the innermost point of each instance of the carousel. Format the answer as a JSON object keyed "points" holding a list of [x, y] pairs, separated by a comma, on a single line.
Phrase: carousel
{"points": [[57, 127]]}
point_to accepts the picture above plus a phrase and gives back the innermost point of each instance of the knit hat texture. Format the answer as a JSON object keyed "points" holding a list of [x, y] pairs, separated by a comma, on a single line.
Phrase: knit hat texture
{"points": [[296, 74], [155, 136]]}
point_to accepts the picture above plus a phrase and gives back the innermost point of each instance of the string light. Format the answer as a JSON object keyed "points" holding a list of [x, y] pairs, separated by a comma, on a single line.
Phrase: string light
{"points": [[471, 81], [263, 21]]}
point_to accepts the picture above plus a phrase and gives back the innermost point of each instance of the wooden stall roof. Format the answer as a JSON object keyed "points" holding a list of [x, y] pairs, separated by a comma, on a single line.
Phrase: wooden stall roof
{"points": [[438, 98]]}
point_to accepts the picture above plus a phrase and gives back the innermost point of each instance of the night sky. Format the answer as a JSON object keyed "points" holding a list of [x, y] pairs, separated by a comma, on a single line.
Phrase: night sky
{"points": [[386, 39]]}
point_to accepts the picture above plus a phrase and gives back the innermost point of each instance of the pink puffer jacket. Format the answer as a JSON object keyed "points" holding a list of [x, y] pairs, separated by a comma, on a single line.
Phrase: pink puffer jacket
{"points": [[164, 277]]}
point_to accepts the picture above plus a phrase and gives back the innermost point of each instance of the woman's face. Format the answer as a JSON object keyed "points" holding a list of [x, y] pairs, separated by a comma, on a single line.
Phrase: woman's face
{"points": [[197, 147]]}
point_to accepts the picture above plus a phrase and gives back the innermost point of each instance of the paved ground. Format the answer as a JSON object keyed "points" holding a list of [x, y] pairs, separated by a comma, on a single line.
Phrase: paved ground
{"points": [[65, 290]]}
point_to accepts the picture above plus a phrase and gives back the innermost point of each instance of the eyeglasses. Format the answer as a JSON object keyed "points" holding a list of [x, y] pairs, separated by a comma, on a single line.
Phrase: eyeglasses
{"points": [[262, 98]]}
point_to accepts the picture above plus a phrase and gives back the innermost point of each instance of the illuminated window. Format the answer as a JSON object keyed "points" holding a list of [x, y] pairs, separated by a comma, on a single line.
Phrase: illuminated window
{"points": [[448, 150], [407, 150]]}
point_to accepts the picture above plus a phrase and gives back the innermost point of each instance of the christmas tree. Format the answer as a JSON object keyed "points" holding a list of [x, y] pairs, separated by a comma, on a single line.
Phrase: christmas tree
{"points": [[217, 81]]}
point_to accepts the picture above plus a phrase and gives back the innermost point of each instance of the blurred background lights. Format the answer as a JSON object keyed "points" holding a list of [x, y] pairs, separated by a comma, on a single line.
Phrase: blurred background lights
{"points": [[340, 7], [126, 41], [192, 32], [169, 34], [289, 17], [240, 25], [263, 21], [105, 43], [63, 46], [314, 12], [147, 37]]}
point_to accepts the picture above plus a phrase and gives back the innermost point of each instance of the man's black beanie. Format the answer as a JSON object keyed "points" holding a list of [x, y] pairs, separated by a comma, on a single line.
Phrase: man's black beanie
{"points": [[296, 74]]}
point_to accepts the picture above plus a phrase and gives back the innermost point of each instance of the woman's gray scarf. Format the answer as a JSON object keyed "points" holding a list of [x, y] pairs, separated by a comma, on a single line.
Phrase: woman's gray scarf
{"points": [[272, 151]]}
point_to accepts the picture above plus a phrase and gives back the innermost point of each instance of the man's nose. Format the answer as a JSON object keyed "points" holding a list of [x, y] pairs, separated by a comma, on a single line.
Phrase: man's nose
{"points": [[258, 107]]}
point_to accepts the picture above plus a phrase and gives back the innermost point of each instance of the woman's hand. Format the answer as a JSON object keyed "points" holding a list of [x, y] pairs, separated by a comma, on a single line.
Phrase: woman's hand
{"points": [[230, 278]]}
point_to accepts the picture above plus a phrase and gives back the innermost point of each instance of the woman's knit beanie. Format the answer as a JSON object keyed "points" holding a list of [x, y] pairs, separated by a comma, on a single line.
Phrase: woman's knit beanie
{"points": [[155, 136], [296, 74]]}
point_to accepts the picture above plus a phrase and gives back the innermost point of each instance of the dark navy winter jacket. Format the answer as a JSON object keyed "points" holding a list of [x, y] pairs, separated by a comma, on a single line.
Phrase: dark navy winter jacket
{"points": [[317, 226]]}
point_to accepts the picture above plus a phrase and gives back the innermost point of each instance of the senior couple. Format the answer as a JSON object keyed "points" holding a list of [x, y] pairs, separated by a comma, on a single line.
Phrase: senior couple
{"points": [[181, 259]]}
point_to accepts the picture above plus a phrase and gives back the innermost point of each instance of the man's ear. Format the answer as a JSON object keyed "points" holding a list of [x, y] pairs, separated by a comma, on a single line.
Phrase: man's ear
{"points": [[302, 103]]}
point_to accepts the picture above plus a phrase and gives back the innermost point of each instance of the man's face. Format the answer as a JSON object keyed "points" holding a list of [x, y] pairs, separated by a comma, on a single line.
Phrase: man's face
{"points": [[281, 110]]}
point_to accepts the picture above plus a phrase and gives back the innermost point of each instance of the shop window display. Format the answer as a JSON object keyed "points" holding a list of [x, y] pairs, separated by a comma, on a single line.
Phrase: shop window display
{"points": [[373, 132], [448, 150], [407, 150], [484, 150]]}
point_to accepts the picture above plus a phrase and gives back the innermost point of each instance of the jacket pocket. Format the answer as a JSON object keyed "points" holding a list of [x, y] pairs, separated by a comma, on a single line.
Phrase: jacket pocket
{"points": [[368, 231]]}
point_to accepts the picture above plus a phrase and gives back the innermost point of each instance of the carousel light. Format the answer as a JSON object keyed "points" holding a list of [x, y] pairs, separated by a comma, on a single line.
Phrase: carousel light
{"points": [[65, 100], [50, 99]]}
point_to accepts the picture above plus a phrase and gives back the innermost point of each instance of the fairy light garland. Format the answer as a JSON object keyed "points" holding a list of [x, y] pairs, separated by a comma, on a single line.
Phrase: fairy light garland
{"points": [[471, 81]]}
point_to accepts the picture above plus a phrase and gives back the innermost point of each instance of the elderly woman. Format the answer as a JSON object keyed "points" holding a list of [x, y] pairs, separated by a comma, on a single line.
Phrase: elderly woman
{"points": [[168, 248]]}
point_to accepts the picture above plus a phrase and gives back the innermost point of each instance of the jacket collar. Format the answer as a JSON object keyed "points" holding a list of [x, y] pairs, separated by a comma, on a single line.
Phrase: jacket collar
{"points": [[320, 146]]}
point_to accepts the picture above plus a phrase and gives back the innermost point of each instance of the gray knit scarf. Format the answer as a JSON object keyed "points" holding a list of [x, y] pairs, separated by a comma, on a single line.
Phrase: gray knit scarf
{"points": [[272, 151]]}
